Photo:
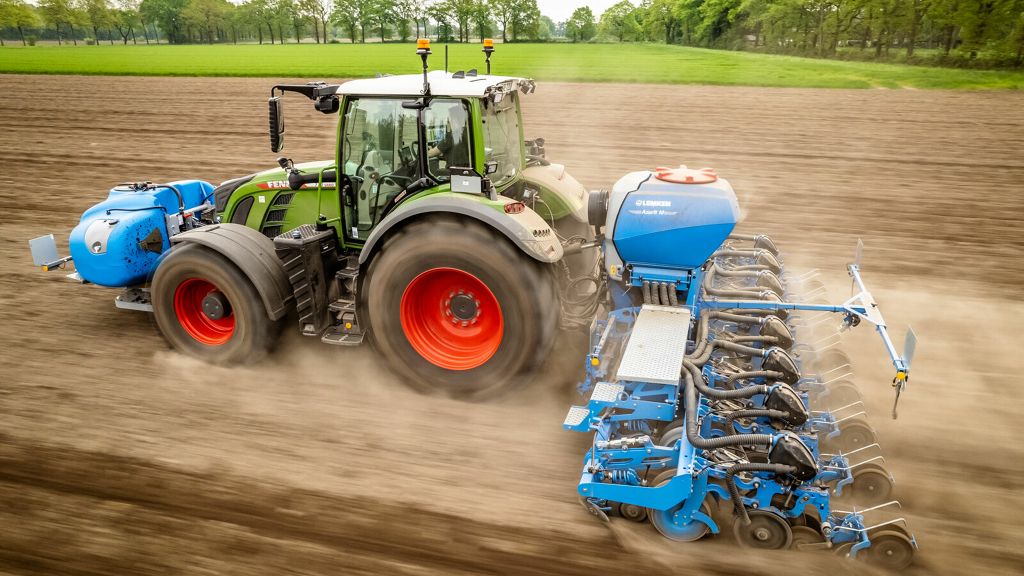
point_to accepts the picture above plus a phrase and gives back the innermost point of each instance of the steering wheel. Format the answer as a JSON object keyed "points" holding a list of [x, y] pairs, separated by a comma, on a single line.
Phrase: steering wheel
{"points": [[401, 181]]}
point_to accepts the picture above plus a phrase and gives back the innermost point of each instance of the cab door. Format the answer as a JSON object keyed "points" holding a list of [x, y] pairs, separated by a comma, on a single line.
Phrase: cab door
{"points": [[379, 152]]}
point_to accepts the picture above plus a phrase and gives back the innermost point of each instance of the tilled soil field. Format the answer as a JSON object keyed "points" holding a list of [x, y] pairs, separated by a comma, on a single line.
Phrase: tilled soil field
{"points": [[119, 456]]}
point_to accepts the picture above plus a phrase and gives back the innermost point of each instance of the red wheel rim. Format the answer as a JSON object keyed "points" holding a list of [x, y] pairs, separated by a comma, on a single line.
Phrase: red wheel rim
{"points": [[188, 305], [451, 318]]}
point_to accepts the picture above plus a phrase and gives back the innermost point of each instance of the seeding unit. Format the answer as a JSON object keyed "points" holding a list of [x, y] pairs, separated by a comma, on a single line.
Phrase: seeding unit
{"points": [[709, 380]]}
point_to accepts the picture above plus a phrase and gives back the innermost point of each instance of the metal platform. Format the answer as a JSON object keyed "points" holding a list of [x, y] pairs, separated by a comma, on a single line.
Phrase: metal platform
{"points": [[339, 337], [576, 416], [606, 392], [656, 346]]}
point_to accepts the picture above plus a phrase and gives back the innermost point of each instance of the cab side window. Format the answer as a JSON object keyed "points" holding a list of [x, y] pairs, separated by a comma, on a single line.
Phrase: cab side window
{"points": [[448, 140], [379, 155]]}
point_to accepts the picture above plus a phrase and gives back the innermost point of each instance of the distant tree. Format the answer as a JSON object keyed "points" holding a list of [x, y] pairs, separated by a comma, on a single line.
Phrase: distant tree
{"points": [[660, 21], [462, 12], [525, 19], [580, 26], [167, 15], [414, 10], [619, 21], [482, 18], [125, 17], [981, 23], [352, 14], [98, 13], [440, 13], [545, 28], [296, 18], [17, 14], [205, 15], [383, 13], [503, 12]]}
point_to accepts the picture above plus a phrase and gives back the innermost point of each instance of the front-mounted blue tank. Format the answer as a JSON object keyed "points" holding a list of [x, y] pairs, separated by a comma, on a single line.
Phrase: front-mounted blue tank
{"points": [[671, 218], [118, 241]]}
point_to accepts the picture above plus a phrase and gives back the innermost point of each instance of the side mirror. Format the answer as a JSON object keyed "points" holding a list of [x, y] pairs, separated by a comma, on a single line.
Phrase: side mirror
{"points": [[276, 125]]}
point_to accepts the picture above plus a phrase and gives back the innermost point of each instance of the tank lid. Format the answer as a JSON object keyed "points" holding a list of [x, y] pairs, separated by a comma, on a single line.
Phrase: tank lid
{"points": [[684, 175]]}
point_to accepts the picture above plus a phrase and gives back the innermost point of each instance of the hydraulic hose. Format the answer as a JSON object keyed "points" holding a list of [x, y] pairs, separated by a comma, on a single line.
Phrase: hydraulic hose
{"points": [[705, 354], [753, 413], [734, 491], [765, 339], [708, 278], [735, 252], [692, 374], [735, 273], [753, 374], [181, 199], [701, 443], [747, 237], [703, 329]]}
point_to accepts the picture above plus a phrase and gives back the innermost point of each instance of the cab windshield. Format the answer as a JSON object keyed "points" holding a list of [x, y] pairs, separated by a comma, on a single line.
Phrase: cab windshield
{"points": [[502, 142]]}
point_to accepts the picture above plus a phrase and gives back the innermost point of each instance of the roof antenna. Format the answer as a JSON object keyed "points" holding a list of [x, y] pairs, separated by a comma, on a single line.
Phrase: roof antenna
{"points": [[488, 49], [423, 49], [446, 58]]}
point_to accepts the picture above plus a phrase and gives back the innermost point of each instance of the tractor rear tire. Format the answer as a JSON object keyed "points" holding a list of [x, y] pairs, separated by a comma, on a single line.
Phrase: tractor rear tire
{"points": [[456, 309], [181, 285]]}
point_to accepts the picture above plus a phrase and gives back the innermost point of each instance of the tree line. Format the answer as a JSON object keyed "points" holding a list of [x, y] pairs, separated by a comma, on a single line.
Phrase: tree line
{"points": [[276, 21], [980, 33], [955, 31]]}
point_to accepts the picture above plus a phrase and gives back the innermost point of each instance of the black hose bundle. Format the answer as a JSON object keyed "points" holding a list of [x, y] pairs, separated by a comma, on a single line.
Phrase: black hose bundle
{"points": [[701, 443], [659, 293], [691, 372], [753, 374], [748, 293]]}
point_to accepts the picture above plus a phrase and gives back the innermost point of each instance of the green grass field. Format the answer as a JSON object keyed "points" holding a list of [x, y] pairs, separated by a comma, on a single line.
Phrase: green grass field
{"points": [[633, 63]]}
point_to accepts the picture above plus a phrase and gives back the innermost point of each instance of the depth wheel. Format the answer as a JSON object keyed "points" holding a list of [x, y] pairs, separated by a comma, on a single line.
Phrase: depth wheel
{"points": [[830, 360], [766, 531], [890, 550], [842, 394], [206, 307], [870, 486], [632, 512], [663, 522], [454, 308], [853, 435], [804, 535]]}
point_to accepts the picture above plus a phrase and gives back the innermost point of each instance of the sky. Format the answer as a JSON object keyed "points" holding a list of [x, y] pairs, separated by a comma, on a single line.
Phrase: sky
{"points": [[560, 10]]}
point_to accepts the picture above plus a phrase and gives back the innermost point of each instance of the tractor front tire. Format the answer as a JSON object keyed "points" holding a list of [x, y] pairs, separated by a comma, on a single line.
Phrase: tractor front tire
{"points": [[207, 308], [454, 308]]}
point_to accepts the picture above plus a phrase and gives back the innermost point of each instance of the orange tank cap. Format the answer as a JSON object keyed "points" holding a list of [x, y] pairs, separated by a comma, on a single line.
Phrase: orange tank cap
{"points": [[684, 175], [423, 44]]}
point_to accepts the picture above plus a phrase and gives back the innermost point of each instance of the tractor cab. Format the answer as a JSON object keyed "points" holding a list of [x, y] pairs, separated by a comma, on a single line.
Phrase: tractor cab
{"points": [[402, 136], [393, 143]]}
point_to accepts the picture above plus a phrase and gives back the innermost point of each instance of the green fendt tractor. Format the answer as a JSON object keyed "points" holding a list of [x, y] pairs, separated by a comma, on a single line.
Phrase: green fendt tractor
{"points": [[437, 231]]}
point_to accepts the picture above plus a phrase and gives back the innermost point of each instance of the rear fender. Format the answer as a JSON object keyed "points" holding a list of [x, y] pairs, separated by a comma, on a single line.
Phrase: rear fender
{"points": [[254, 254], [527, 230]]}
